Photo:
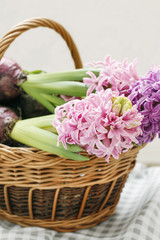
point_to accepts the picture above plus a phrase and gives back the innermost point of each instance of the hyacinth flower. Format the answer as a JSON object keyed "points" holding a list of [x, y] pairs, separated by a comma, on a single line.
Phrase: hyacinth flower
{"points": [[104, 124], [118, 76], [146, 95]]}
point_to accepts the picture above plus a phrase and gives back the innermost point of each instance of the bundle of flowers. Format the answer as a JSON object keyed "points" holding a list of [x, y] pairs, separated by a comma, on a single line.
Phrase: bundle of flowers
{"points": [[109, 122], [104, 110]]}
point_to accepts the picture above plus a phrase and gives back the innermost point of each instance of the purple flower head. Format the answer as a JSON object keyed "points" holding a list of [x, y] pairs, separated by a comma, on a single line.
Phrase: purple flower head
{"points": [[146, 95], [103, 123], [118, 76]]}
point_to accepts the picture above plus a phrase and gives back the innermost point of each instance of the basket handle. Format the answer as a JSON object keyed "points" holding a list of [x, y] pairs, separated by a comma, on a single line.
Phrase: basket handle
{"points": [[40, 22]]}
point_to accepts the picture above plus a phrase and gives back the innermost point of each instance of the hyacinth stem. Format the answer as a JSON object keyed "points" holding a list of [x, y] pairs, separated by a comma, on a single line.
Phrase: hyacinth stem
{"points": [[43, 92], [74, 75], [32, 132], [43, 123], [40, 122], [69, 88], [45, 87]]}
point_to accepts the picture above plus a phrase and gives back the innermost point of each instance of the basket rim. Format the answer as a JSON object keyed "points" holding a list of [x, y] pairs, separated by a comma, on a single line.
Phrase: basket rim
{"points": [[28, 148], [43, 170]]}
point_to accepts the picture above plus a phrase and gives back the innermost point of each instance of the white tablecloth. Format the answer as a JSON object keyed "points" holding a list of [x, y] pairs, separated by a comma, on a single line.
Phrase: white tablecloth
{"points": [[137, 215]]}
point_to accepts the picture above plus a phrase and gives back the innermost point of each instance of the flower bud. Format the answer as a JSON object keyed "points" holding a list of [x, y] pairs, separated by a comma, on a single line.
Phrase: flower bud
{"points": [[120, 105]]}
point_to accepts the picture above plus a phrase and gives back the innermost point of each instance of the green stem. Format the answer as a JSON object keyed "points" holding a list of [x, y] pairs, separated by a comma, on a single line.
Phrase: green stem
{"points": [[74, 75], [40, 122], [43, 122], [43, 87], [43, 140], [69, 88], [50, 129]]}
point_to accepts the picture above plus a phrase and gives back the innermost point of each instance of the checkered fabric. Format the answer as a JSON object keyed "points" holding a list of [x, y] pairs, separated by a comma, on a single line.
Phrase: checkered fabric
{"points": [[137, 215]]}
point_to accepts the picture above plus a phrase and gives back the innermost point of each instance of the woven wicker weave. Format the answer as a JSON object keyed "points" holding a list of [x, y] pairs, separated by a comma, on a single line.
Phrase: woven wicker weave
{"points": [[40, 189]]}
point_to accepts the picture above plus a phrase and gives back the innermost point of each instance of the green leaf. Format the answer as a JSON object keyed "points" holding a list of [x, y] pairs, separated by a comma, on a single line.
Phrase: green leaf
{"points": [[53, 99], [34, 72]]}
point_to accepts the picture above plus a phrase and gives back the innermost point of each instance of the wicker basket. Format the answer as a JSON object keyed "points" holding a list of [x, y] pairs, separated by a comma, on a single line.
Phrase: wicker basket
{"points": [[40, 189]]}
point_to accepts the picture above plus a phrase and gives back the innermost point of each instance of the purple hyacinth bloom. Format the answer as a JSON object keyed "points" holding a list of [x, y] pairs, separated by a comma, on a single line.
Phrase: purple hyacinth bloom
{"points": [[146, 95]]}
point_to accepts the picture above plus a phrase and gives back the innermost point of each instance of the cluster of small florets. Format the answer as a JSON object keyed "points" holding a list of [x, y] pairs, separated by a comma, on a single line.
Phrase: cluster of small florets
{"points": [[118, 76], [145, 94], [120, 110], [103, 124]]}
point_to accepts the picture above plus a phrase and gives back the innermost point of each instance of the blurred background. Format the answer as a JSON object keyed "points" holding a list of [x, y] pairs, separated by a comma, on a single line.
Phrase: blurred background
{"points": [[99, 28]]}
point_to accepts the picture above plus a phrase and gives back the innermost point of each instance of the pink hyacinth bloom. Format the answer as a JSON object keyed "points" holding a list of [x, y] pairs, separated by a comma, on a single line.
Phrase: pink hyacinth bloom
{"points": [[118, 76], [103, 124]]}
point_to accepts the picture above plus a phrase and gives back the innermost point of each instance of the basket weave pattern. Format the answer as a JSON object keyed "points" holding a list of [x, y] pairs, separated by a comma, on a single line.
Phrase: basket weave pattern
{"points": [[40, 189], [37, 188]]}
